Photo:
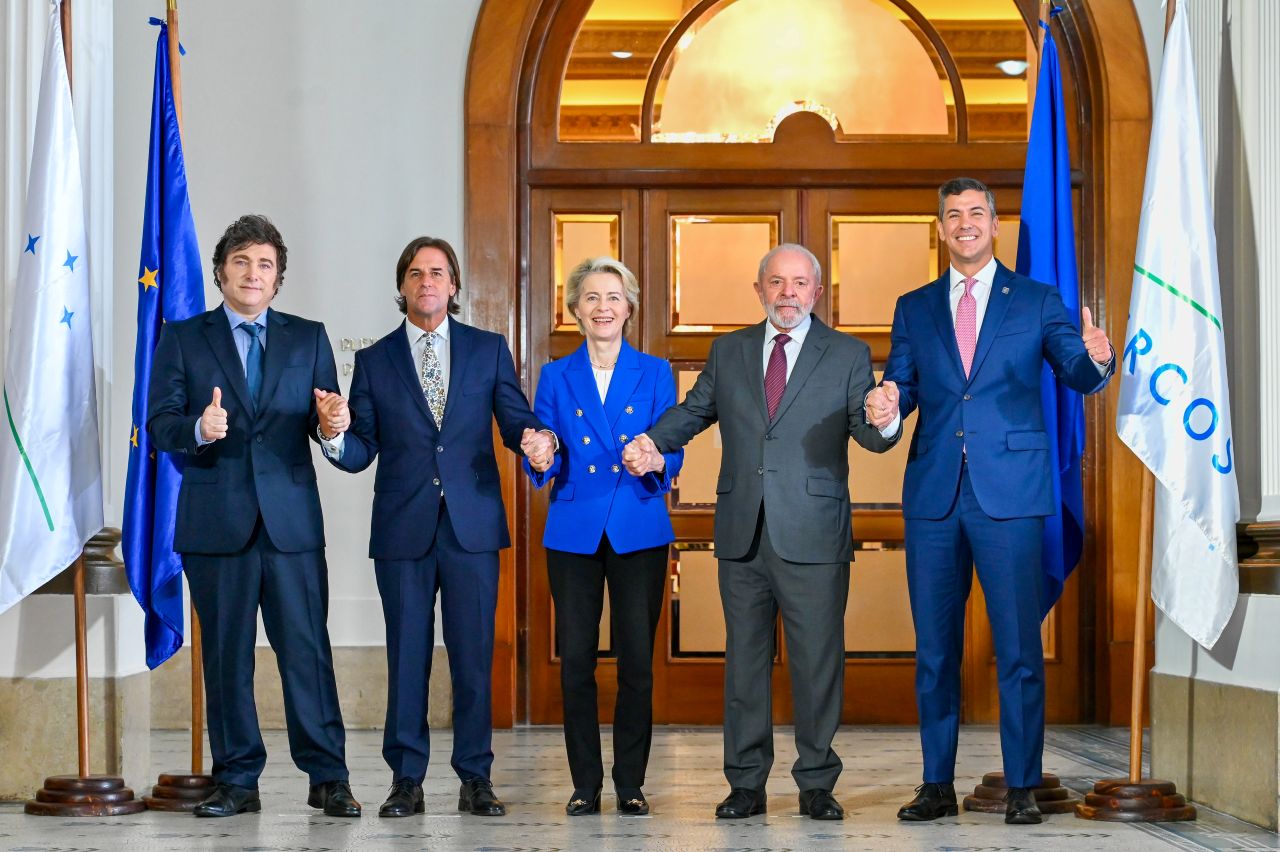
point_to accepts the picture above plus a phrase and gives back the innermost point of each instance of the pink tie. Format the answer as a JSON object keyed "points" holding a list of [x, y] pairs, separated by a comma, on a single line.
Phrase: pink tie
{"points": [[967, 324], [775, 377]]}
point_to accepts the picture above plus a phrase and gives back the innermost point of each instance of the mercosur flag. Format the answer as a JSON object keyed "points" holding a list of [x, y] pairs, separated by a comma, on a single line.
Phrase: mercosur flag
{"points": [[1175, 411], [50, 475]]}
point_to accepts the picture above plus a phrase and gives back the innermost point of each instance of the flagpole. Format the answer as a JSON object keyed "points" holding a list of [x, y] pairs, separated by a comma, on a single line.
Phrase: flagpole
{"points": [[176, 791], [83, 794], [1135, 799], [197, 660]]}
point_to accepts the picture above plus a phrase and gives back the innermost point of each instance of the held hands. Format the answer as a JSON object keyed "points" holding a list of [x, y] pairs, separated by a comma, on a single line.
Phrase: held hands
{"points": [[882, 405], [335, 415], [641, 456], [538, 448], [1095, 339], [213, 422]]}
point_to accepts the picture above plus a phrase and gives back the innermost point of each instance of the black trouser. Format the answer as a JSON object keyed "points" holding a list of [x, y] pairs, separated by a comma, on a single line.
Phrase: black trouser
{"points": [[636, 582]]}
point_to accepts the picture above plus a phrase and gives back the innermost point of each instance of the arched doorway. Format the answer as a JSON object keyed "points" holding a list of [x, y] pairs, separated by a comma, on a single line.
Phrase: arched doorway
{"points": [[689, 188]]}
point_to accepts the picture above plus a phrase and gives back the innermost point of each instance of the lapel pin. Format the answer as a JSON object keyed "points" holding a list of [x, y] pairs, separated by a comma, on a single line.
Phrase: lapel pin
{"points": [[1004, 290]]}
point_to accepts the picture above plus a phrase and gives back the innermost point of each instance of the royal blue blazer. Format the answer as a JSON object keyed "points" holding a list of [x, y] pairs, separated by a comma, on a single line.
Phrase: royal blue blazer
{"points": [[994, 414], [593, 495]]}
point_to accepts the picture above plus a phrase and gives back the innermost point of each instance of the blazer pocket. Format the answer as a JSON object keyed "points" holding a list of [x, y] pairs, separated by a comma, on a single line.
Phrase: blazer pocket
{"points": [[304, 473], [199, 474], [1029, 440], [724, 484], [1015, 328], [820, 487]]}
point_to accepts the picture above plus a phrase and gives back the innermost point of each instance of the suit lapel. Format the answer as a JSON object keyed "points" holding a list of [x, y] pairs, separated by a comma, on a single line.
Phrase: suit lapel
{"points": [[753, 364], [997, 307], [626, 375], [217, 331], [401, 357], [940, 308], [815, 345], [459, 362], [279, 345], [582, 386]]}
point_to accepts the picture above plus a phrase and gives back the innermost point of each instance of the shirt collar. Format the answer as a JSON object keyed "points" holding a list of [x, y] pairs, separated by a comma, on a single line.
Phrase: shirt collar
{"points": [[797, 334], [985, 275], [415, 332], [236, 319]]}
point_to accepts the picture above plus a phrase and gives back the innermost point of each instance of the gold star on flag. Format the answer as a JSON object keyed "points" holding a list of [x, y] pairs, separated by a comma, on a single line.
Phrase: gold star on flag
{"points": [[148, 279], [133, 439]]}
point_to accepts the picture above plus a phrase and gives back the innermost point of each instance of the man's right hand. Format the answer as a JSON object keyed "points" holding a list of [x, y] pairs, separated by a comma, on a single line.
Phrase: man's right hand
{"points": [[882, 405], [641, 456], [213, 423]]}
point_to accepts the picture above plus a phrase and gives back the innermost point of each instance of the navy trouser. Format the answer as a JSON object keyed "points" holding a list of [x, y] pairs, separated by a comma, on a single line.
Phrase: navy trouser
{"points": [[293, 592], [468, 587], [941, 556]]}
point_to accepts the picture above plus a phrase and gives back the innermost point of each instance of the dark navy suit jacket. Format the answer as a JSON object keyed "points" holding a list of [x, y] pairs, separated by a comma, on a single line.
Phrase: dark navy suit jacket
{"points": [[994, 415], [593, 493], [264, 464], [391, 420]]}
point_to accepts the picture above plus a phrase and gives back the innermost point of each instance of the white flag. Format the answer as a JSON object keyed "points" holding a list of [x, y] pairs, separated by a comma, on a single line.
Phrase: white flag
{"points": [[1175, 412], [50, 474]]}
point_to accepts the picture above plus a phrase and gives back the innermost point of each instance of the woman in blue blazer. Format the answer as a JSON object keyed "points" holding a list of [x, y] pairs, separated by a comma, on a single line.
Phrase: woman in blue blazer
{"points": [[605, 526]]}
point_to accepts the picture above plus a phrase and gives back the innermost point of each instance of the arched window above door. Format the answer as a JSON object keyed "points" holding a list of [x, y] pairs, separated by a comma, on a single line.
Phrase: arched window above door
{"points": [[733, 70]]}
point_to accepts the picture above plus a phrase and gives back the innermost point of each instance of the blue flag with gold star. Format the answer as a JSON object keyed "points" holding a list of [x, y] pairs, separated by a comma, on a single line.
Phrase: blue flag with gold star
{"points": [[170, 288], [1047, 253]]}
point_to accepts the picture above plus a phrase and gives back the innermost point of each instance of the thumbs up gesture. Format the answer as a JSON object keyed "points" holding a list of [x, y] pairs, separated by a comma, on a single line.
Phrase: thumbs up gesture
{"points": [[213, 423], [1095, 339]]}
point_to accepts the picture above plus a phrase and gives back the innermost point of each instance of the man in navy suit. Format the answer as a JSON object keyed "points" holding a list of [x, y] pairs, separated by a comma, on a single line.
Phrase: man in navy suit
{"points": [[967, 351], [233, 392], [424, 398]]}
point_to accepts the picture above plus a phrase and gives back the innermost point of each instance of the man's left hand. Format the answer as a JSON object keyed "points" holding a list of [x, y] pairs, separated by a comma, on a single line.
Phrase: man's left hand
{"points": [[538, 448], [1095, 340]]}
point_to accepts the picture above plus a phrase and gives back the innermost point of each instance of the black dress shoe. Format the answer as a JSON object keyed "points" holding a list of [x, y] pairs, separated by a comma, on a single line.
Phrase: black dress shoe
{"points": [[335, 798], [820, 804], [477, 798], [631, 802], [931, 801], [583, 802], [1020, 807], [405, 799], [741, 803], [228, 800]]}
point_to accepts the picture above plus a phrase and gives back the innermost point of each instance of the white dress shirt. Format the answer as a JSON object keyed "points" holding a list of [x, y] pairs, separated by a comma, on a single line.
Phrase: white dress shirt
{"points": [[417, 346], [791, 347]]}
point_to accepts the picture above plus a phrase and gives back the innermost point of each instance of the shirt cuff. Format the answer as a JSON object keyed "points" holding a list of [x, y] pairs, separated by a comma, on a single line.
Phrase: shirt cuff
{"points": [[890, 432], [200, 441], [555, 439], [332, 448]]}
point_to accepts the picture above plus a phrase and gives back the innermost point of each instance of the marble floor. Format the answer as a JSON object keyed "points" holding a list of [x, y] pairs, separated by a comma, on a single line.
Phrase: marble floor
{"points": [[684, 784]]}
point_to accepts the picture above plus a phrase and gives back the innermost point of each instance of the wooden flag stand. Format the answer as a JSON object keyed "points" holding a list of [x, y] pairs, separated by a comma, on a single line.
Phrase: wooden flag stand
{"points": [[1138, 799], [1051, 797], [82, 794], [182, 791]]}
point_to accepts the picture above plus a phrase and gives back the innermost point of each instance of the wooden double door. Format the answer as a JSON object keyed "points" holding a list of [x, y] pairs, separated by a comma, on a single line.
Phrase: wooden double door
{"points": [[695, 253]]}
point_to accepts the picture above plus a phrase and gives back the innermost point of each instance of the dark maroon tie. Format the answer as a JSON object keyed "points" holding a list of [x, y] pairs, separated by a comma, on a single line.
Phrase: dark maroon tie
{"points": [[775, 378]]}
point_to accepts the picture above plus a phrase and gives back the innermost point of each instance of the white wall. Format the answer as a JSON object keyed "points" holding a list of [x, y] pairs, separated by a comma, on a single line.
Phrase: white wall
{"points": [[343, 123]]}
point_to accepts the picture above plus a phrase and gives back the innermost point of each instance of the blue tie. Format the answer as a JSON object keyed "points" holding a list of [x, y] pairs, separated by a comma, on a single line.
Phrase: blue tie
{"points": [[253, 361]]}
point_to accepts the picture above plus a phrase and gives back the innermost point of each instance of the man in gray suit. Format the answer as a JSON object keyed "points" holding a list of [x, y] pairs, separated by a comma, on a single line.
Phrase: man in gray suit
{"points": [[788, 395]]}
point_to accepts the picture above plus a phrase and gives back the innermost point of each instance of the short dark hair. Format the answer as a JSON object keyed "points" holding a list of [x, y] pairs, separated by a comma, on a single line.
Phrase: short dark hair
{"points": [[252, 229], [411, 251], [959, 185]]}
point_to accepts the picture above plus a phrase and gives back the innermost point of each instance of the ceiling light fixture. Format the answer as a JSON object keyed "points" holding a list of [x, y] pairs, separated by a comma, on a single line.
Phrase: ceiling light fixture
{"points": [[1013, 67], [623, 54]]}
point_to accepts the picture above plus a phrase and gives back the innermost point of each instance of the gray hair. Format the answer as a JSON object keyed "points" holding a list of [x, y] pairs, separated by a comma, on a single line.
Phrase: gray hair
{"points": [[792, 247], [956, 186], [591, 266]]}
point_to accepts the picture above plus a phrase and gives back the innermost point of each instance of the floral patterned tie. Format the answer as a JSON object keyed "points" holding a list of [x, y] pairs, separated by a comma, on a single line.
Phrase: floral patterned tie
{"points": [[432, 378]]}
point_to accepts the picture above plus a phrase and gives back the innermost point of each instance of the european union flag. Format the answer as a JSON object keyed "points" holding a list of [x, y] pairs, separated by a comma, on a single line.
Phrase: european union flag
{"points": [[170, 288], [1047, 253]]}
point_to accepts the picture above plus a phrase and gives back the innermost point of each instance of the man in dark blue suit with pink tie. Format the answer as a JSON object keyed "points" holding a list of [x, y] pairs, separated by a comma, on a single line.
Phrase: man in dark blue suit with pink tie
{"points": [[966, 352], [423, 401]]}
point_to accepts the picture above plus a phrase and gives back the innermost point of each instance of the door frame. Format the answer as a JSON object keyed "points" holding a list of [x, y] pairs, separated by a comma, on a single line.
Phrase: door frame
{"points": [[1101, 45]]}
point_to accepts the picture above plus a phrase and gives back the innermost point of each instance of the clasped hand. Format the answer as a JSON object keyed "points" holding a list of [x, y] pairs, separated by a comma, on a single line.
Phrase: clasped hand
{"points": [[335, 414], [641, 456], [882, 405], [539, 448]]}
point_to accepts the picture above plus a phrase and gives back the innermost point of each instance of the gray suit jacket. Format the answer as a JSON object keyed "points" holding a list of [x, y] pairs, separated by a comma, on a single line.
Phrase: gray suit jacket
{"points": [[798, 465]]}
